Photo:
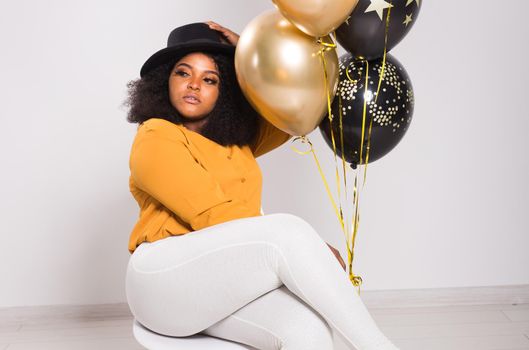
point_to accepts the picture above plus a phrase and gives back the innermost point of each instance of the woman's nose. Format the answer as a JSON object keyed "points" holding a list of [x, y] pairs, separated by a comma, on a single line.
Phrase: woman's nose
{"points": [[194, 85]]}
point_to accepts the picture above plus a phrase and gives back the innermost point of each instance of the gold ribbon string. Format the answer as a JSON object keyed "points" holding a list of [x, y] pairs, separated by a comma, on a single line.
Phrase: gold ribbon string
{"points": [[339, 212], [326, 47], [356, 280], [343, 163], [356, 198], [305, 139], [381, 78], [349, 77], [383, 69]]}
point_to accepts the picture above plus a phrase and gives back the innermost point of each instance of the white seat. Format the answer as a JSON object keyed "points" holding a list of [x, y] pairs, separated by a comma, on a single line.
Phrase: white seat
{"points": [[155, 341]]}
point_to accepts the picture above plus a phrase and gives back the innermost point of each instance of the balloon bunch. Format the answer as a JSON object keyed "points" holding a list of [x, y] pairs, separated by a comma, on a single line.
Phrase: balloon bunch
{"points": [[288, 69], [279, 69], [375, 97]]}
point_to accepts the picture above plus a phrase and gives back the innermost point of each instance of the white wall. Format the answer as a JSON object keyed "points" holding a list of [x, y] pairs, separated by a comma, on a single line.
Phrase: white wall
{"points": [[446, 208]]}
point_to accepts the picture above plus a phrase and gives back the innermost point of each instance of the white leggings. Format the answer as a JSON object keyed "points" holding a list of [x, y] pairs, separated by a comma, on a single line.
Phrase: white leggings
{"points": [[267, 281]]}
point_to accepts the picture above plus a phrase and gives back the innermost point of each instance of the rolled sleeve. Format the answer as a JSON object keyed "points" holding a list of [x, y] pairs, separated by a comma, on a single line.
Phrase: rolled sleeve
{"points": [[268, 138]]}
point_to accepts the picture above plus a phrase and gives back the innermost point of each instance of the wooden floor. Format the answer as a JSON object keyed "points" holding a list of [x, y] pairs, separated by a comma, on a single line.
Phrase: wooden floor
{"points": [[475, 327]]}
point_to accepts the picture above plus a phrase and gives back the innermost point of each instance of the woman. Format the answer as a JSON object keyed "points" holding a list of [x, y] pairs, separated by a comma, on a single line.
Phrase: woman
{"points": [[204, 257]]}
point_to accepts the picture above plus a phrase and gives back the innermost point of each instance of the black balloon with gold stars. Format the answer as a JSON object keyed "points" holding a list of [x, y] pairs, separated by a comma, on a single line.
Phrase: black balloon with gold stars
{"points": [[389, 112], [364, 32]]}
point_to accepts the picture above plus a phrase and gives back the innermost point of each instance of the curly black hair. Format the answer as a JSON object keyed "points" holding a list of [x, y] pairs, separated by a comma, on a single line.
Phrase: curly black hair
{"points": [[232, 121]]}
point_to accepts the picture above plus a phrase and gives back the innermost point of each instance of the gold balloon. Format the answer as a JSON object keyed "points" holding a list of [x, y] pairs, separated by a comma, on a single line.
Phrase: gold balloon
{"points": [[316, 17], [280, 71]]}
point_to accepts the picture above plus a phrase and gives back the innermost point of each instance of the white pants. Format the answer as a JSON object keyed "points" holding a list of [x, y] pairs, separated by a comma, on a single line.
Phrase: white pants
{"points": [[268, 281]]}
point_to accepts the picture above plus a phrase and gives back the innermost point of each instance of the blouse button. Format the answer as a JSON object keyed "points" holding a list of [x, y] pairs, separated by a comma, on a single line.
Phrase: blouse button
{"points": [[243, 179], [229, 157]]}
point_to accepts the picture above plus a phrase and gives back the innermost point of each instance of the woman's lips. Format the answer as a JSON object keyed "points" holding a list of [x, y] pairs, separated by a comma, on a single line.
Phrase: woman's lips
{"points": [[191, 99]]}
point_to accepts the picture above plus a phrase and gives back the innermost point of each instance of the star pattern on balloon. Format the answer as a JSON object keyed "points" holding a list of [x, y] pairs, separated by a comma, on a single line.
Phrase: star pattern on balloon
{"points": [[411, 1], [408, 19], [378, 6]]}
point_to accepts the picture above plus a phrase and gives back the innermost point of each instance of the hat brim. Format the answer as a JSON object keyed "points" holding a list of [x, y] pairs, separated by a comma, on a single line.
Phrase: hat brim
{"points": [[173, 52]]}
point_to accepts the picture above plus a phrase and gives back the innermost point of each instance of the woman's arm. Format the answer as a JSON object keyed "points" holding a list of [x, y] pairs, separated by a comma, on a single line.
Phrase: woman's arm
{"points": [[165, 168]]}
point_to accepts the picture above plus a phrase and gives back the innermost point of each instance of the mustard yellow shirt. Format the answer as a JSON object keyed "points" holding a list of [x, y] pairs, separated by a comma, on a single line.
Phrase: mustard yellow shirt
{"points": [[184, 181]]}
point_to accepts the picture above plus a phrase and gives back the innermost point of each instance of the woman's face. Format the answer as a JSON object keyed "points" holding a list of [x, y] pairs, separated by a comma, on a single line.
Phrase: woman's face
{"points": [[194, 85]]}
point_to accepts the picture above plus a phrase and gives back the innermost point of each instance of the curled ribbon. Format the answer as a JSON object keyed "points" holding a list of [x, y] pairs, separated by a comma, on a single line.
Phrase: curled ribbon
{"points": [[356, 280], [356, 215], [326, 46]]}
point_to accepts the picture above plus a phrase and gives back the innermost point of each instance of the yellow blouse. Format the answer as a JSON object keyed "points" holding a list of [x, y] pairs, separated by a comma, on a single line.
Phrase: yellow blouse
{"points": [[184, 181]]}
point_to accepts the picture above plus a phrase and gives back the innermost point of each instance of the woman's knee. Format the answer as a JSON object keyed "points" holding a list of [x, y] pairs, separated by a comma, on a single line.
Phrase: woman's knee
{"points": [[292, 227]]}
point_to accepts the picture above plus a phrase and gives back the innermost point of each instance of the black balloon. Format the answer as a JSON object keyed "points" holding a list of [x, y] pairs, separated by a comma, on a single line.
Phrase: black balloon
{"points": [[391, 112], [362, 34]]}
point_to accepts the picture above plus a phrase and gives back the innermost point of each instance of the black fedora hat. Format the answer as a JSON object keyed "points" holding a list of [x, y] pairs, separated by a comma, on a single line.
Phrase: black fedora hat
{"points": [[186, 39]]}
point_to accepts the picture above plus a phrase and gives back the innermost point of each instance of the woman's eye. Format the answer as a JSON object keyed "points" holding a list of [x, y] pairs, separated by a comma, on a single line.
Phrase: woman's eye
{"points": [[209, 81]]}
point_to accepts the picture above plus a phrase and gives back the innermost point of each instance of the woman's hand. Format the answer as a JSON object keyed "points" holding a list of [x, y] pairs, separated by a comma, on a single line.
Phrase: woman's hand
{"points": [[337, 255], [230, 36]]}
